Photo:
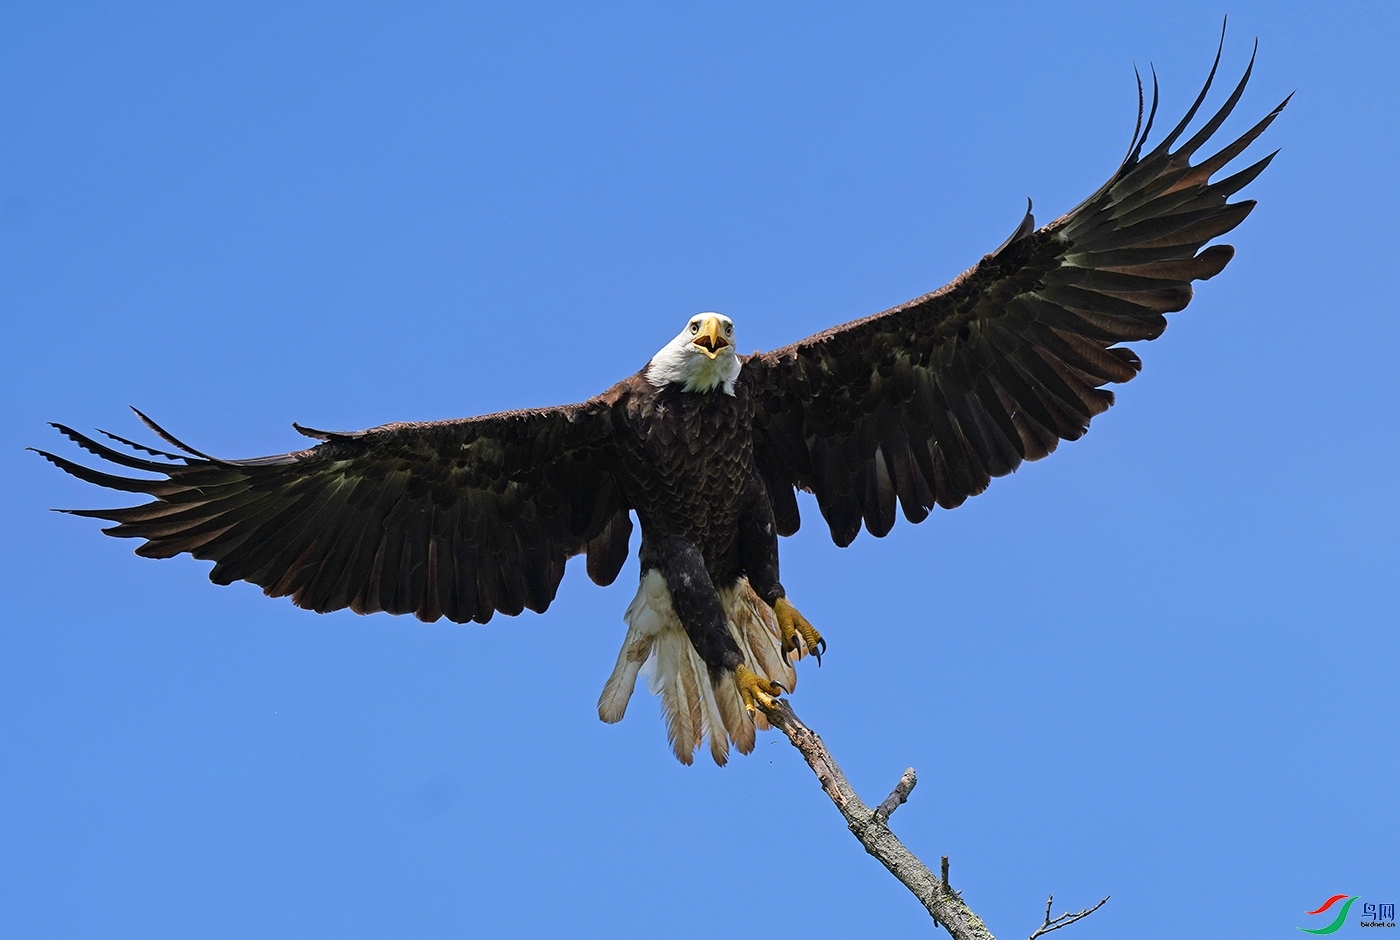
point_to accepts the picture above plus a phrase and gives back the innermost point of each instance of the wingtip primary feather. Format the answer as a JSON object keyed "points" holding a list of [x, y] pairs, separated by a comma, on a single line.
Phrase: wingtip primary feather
{"points": [[311, 432], [1025, 227], [1141, 130], [1165, 145], [142, 447], [167, 436], [119, 458], [88, 475], [327, 436]]}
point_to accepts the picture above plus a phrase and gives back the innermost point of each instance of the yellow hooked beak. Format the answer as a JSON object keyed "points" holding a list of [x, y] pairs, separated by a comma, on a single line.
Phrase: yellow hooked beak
{"points": [[711, 337]]}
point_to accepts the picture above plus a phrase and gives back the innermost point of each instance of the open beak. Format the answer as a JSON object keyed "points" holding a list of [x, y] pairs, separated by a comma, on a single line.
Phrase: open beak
{"points": [[711, 339]]}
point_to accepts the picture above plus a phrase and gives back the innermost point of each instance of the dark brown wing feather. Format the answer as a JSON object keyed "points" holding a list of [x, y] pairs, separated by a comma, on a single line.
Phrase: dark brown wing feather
{"points": [[455, 519], [925, 403]]}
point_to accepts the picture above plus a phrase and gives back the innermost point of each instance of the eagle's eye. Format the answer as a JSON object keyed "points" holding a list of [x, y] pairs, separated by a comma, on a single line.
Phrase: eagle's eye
{"points": [[729, 329], [695, 327]]}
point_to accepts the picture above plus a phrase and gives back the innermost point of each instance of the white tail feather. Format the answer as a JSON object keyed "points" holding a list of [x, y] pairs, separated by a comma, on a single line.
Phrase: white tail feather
{"points": [[645, 617], [669, 670], [694, 706]]}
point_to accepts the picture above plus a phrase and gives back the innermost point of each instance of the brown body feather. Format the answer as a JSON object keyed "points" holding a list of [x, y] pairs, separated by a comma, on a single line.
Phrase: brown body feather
{"points": [[687, 467]]}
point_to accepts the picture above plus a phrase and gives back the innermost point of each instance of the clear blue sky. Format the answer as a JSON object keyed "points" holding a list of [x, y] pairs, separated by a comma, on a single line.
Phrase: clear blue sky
{"points": [[1161, 664]]}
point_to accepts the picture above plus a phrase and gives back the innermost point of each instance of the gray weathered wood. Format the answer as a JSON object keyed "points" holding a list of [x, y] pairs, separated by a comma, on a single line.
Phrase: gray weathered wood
{"points": [[871, 829]]}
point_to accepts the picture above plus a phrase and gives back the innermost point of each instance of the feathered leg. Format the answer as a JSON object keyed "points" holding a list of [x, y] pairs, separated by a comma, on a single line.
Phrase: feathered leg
{"points": [[758, 547]]}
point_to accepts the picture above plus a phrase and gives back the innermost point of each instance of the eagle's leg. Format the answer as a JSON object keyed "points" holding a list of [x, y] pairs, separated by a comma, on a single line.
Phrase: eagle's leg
{"points": [[758, 545], [695, 600], [755, 690], [796, 631], [697, 604]]}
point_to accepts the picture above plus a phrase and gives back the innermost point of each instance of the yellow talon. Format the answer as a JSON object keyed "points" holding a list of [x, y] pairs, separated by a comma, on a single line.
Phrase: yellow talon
{"points": [[799, 636], [755, 690]]}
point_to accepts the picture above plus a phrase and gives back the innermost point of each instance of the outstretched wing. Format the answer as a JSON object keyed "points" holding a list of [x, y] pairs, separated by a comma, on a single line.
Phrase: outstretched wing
{"points": [[928, 401], [455, 519]]}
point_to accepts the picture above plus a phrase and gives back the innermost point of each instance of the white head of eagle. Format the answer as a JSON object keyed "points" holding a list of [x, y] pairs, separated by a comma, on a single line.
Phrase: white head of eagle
{"points": [[700, 359]]}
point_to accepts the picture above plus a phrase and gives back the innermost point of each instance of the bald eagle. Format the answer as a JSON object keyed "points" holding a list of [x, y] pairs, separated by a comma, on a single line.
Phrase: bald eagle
{"points": [[916, 407]]}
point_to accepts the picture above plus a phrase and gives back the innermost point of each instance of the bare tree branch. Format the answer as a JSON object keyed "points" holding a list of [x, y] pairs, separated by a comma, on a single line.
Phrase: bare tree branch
{"points": [[1064, 920], [897, 796], [871, 828]]}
